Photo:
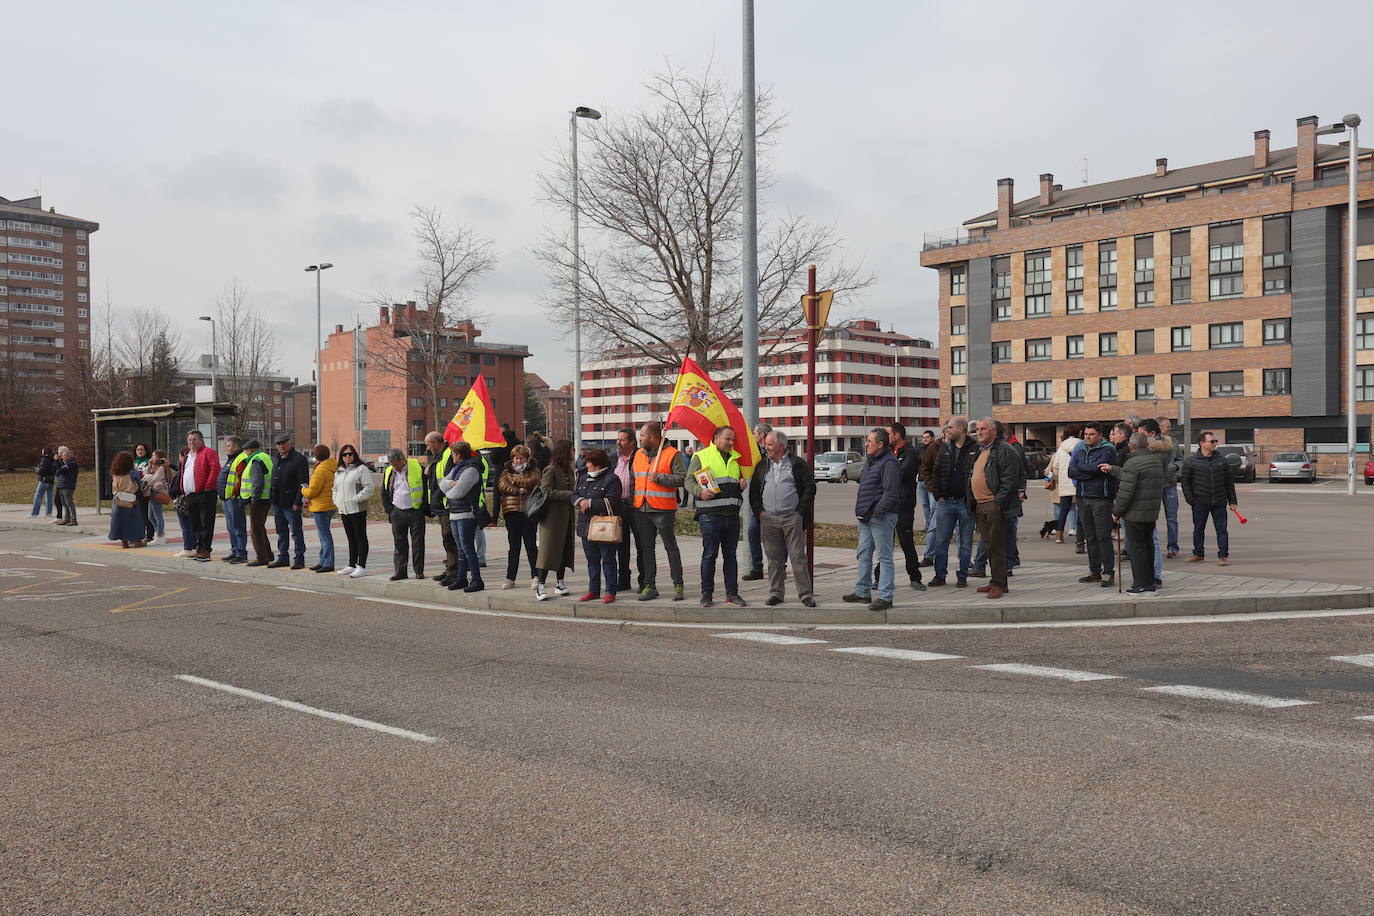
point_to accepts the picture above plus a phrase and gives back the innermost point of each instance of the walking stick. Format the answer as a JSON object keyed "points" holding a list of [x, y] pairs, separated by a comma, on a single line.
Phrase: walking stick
{"points": [[1118, 559]]}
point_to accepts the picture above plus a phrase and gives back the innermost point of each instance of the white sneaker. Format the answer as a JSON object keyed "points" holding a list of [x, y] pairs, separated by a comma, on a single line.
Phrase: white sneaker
{"points": [[357, 573], [539, 593], [159, 540], [534, 584], [560, 590], [184, 553], [509, 583], [347, 570], [1071, 532]]}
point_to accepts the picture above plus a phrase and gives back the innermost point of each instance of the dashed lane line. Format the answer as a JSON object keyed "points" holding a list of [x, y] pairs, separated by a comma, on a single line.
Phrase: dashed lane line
{"points": [[90, 563], [1365, 660], [905, 655], [155, 572], [775, 639], [1228, 696], [1364, 718], [32, 557], [309, 710], [293, 588], [1067, 674], [217, 579]]}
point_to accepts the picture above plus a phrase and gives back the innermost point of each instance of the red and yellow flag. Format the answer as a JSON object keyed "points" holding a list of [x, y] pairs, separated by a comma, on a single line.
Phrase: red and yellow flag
{"points": [[699, 406], [475, 422]]}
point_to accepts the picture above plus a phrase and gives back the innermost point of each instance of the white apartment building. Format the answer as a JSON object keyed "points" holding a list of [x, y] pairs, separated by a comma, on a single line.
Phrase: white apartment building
{"points": [[857, 385]]}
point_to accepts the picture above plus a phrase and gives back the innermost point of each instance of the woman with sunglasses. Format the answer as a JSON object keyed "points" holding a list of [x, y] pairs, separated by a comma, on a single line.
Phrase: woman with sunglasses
{"points": [[352, 492]]}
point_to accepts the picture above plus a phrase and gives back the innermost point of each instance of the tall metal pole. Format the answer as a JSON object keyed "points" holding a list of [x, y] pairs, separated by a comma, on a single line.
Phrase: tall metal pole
{"points": [[319, 383], [749, 280], [896, 382], [577, 298], [812, 320], [214, 384], [1351, 232]]}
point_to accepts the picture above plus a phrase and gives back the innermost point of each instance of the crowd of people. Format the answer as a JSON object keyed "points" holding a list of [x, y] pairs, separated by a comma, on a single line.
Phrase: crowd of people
{"points": [[1108, 484]]}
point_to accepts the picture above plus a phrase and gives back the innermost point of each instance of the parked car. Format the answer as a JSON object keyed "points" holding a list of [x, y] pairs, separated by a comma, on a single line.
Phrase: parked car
{"points": [[1369, 473], [1038, 457], [1241, 458], [839, 466], [1292, 466]]}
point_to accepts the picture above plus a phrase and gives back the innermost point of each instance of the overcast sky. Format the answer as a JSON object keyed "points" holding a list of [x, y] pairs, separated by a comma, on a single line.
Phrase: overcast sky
{"points": [[250, 139]]}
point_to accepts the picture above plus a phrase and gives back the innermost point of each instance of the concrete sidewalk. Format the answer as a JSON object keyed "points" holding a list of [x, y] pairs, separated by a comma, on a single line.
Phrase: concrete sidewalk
{"points": [[1039, 591]]}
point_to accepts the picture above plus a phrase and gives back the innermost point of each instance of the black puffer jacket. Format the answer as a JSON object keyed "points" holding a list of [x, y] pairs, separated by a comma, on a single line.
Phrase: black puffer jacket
{"points": [[1141, 491], [949, 472], [1207, 481]]}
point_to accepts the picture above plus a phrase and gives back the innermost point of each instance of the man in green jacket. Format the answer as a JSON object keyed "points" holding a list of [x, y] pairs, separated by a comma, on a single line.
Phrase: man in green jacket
{"points": [[1138, 499]]}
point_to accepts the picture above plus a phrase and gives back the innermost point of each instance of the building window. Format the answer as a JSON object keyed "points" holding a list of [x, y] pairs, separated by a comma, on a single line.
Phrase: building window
{"points": [[958, 360], [1106, 263], [1037, 392], [958, 319], [1001, 393], [1231, 286], [1037, 306], [1001, 310], [1364, 384], [417, 402], [1144, 342], [1074, 346], [1073, 268], [1037, 293], [1144, 297], [1144, 387], [1276, 381], [1364, 272], [1075, 389], [1106, 299], [1106, 389], [1226, 261], [1276, 331], [1180, 384], [1074, 303], [1001, 351], [1037, 348], [1224, 336], [1001, 277], [1145, 266], [443, 402], [1182, 292], [1181, 339], [1226, 384], [1275, 262], [1106, 344], [958, 400], [958, 281], [81, 313]]}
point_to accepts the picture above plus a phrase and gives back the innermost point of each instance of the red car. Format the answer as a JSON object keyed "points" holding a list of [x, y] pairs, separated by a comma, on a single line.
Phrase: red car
{"points": [[1369, 473]]}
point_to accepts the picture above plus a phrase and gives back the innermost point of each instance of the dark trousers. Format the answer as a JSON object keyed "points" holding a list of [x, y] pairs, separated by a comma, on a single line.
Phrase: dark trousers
{"points": [[1218, 515], [719, 536], [784, 539], [755, 538], [464, 534], [200, 508], [520, 531], [289, 528], [408, 535], [906, 521], [1013, 549], [355, 529], [1095, 520], [148, 528], [1140, 536], [600, 566], [629, 532], [450, 545], [992, 531], [257, 527]]}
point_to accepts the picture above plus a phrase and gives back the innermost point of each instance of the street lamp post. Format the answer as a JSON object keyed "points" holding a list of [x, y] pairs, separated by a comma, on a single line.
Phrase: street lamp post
{"points": [[749, 260], [580, 111], [318, 269], [896, 381], [1351, 121], [214, 376]]}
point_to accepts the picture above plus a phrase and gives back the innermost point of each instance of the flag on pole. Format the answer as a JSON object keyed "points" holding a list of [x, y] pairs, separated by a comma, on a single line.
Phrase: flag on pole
{"points": [[699, 406], [475, 421]]}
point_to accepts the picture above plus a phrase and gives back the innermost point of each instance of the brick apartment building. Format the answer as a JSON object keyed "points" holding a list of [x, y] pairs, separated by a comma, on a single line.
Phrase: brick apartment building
{"points": [[300, 414], [854, 387], [557, 405], [377, 409], [265, 425], [44, 292], [1222, 281]]}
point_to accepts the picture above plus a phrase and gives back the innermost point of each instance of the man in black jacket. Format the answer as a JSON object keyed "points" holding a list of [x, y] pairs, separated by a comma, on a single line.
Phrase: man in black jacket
{"points": [[909, 464], [1209, 488], [783, 495], [994, 494], [290, 472], [948, 484]]}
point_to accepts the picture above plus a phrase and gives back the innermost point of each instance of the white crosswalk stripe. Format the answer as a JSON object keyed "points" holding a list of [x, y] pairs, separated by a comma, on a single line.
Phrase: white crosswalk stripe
{"points": [[1228, 696], [905, 655], [1067, 674], [774, 639], [1365, 660]]}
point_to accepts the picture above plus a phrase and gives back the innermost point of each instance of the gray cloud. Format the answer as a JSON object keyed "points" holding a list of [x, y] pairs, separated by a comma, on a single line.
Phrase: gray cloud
{"points": [[229, 178], [350, 119], [349, 232], [335, 181]]}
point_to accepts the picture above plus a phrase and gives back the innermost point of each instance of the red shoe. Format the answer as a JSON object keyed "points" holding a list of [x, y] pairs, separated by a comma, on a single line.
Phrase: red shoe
{"points": [[608, 599], [985, 588], [590, 596]]}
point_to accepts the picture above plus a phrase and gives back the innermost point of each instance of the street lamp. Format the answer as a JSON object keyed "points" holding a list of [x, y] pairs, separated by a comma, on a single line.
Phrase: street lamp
{"points": [[214, 366], [1351, 121], [318, 269], [896, 381], [581, 111]]}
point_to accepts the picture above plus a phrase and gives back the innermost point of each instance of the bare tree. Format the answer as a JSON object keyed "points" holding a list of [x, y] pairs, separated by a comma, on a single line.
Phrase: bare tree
{"points": [[248, 355], [661, 194], [148, 352], [422, 351]]}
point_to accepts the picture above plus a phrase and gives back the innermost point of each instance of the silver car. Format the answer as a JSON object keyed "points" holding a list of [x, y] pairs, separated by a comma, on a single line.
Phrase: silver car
{"points": [[1292, 466], [839, 466]]}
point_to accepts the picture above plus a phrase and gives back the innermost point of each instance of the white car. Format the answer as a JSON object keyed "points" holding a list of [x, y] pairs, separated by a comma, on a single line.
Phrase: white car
{"points": [[839, 466]]}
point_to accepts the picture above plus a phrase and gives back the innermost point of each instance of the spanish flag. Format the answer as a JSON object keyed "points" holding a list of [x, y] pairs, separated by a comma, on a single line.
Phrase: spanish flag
{"points": [[475, 422], [699, 406]]}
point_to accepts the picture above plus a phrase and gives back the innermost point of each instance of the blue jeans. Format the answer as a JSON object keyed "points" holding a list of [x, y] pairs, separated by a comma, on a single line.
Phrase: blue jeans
{"points": [[44, 489], [1013, 552], [952, 514], [601, 563], [322, 520], [465, 536], [1218, 516], [288, 523], [1171, 517], [156, 517], [926, 501], [188, 531], [720, 535], [479, 541], [755, 536], [235, 521], [876, 534]]}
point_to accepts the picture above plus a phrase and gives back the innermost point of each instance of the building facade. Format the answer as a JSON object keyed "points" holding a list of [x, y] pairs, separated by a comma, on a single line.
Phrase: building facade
{"points": [[300, 414], [557, 404], [45, 284], [366, 402], [1222, 284], [861, 371], [265, 422]]}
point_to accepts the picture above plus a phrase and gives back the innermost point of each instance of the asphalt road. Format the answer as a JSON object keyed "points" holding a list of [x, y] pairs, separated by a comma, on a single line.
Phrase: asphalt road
{"points": [[559, 766]]}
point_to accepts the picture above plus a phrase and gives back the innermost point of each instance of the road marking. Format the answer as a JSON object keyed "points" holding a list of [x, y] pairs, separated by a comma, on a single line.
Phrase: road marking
{"points": [[292, 588], [156, 572], [1257, 617], [309, 710], [146, 605], [1364, 718], [214, 579], [89, 563], [906, 655], [1228, 696], [1067, 674], [1365, 660], [776, 639], [32, 557]]}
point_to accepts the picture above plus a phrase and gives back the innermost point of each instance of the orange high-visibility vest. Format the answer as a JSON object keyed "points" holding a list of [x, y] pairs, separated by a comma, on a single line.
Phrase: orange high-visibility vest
{"points": [[646, 489]]}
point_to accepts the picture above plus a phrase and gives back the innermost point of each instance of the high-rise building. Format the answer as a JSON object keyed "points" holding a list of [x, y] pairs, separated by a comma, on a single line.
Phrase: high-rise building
{"points": [[858, 378], [1223, 283], [45, 285]]}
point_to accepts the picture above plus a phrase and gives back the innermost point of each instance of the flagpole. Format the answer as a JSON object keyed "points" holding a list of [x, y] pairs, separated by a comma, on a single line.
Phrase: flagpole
{"points": [[812, 319]]}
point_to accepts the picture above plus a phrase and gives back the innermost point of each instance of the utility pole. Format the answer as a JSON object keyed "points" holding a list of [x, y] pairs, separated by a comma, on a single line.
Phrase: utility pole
{"points": [[749, 280]]}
